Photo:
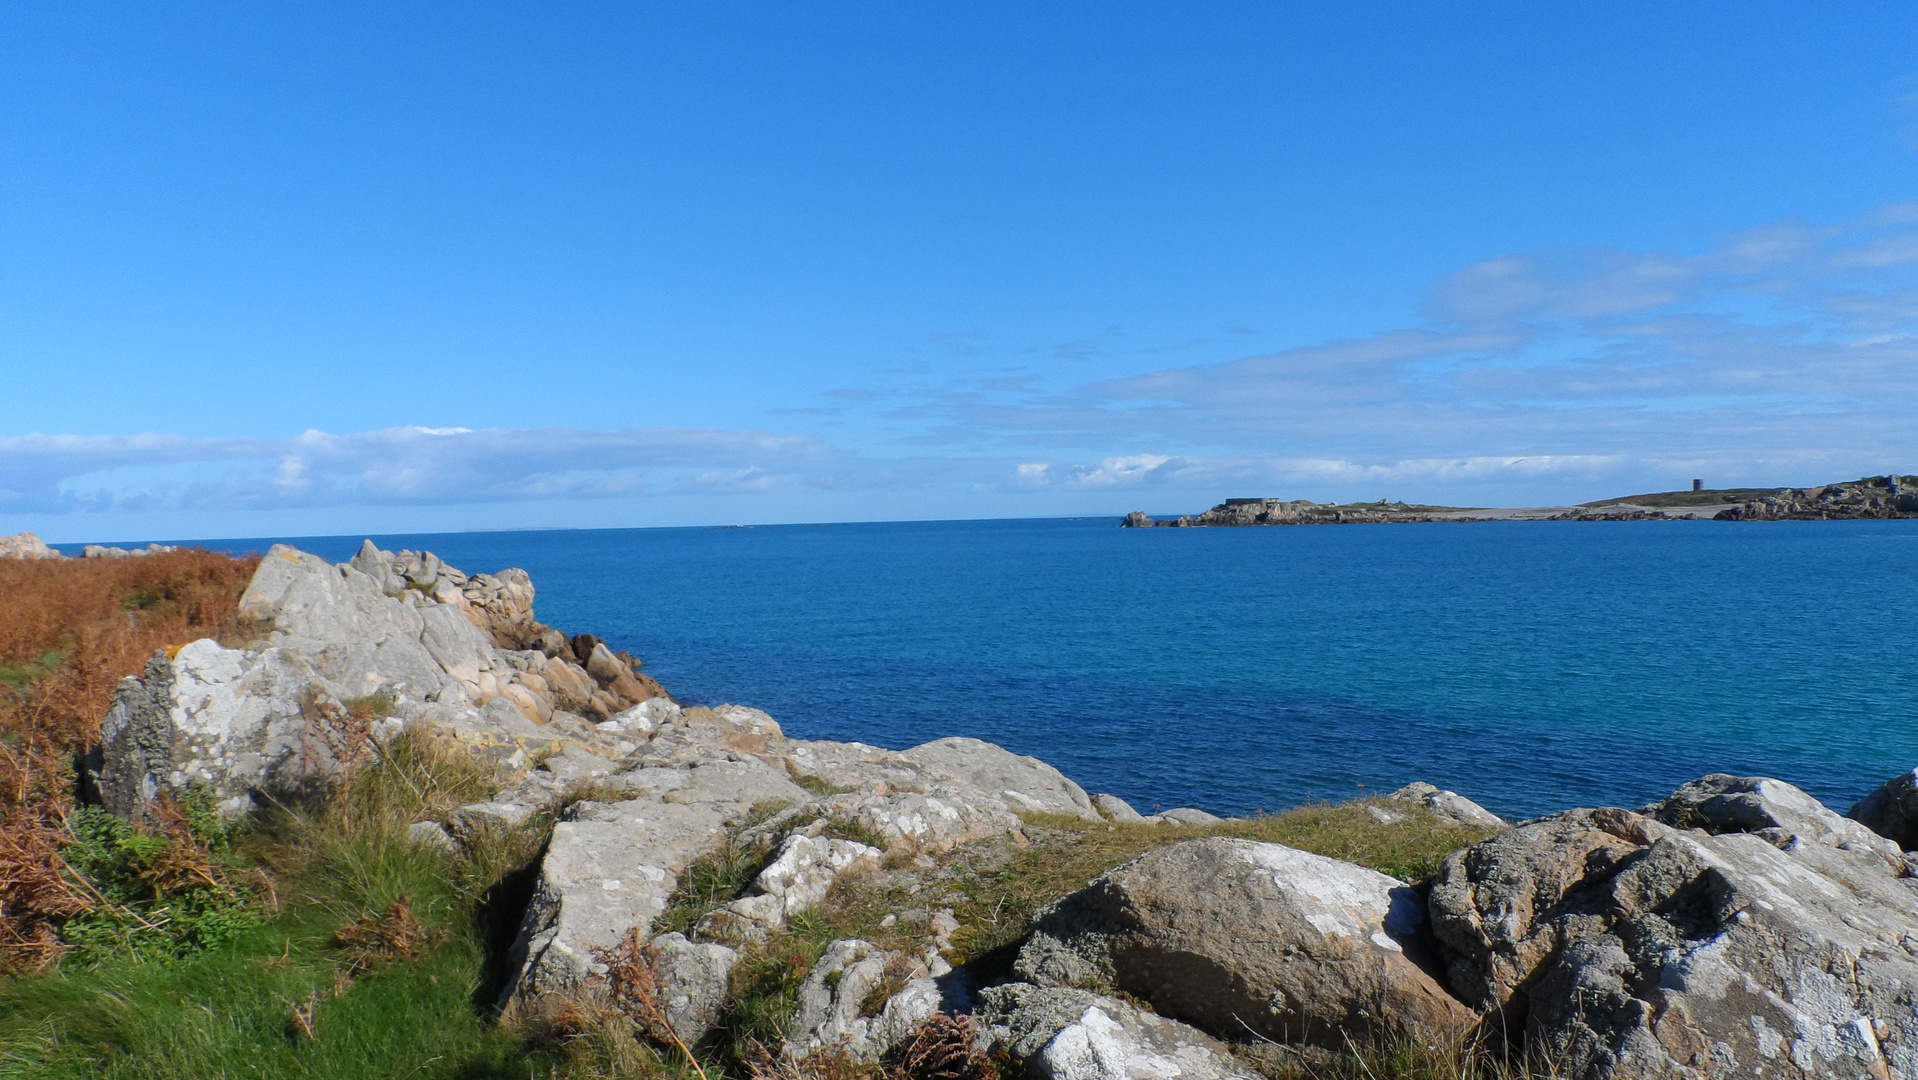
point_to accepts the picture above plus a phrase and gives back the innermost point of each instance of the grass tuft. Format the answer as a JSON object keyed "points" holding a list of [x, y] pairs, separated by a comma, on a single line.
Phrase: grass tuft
{"points": [[313, 990]]}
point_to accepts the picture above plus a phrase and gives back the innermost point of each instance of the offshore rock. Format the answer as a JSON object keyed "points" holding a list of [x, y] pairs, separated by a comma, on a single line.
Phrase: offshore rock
{"points": [[1136, 520], [1871, 497], [1060, 1033], [98, 551], [1237, 936], [1737, 927]]}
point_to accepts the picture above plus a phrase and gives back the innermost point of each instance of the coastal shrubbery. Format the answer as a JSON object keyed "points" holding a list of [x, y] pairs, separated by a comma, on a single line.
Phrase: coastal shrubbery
{"points": [[359, 951], [70, 630]]}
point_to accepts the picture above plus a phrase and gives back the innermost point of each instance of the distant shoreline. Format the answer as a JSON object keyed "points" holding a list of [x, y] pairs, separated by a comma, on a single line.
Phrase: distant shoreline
{"points": [[1870, 498]]}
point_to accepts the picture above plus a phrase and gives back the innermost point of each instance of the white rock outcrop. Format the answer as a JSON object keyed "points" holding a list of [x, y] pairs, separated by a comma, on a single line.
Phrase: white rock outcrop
{"points": [[832, 1015], [1066, 1034], [1024, 783], [402, 644], [1448, 806], [26, 545]]}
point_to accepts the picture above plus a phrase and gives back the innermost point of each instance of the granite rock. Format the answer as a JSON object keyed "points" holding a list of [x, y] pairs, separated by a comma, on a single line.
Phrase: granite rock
{"points": [[1736, 927], [1186, 815], [26, 545], [1024, 783], [1449, 806], [693, 980], [1891, 810], [831, 1002], [1061, 1033], [1235, 935]]}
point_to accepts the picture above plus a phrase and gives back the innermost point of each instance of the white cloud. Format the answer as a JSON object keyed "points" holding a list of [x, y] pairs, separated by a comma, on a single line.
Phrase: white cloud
{"points": [[1787, 341], [1785, 354], [1131, 469], [393, 466]]}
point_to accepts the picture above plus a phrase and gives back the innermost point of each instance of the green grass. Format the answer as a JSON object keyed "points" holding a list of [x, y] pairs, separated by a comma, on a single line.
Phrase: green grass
{"points": [[229, 1010], [819, 785], [711, 881], [279, 994], [1708, 497], [25, 671], [228, 1013], [994, 889]]}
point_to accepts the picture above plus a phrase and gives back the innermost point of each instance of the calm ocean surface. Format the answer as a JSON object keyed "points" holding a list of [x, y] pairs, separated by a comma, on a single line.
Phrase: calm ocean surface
{"points": [[1531, 666]]}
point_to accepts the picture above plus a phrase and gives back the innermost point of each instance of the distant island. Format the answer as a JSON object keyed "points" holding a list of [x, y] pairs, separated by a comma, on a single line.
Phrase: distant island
{"points": [[1868, 498]]}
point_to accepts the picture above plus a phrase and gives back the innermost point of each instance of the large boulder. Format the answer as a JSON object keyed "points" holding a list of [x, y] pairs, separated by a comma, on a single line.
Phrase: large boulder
{"points": [[1892, 810], [26, 545], [357, 638], [1189, 815], [383, 638], [1240, 937], [1058, 1033], [1736, 927], [848, 766], [1117, 809], [609, 867], [1025, 783], [218, 718]]}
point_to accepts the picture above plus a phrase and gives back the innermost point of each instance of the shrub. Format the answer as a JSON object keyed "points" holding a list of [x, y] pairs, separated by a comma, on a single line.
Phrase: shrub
{"points": [[70, 630], [155, 892]]}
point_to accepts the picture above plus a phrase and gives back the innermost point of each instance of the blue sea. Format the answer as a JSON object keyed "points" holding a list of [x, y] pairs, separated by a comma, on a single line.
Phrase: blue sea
{"points": [[1532, 666]]}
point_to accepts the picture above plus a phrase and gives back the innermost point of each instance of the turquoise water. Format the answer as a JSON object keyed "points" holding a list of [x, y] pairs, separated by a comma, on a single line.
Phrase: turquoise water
{"points": [[1532, 666]]}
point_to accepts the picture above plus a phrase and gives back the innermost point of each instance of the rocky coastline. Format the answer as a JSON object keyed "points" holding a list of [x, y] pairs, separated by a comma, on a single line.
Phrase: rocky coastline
{"points": [[1736, 927], [1870, 498]]}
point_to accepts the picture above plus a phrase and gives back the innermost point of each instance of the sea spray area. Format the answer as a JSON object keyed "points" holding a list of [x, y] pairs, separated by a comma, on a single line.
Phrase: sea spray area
{"points": [[1536, 665]]}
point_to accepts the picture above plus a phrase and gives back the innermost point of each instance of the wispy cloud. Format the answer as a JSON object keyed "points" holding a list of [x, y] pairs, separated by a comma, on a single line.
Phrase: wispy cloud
{"points": [[404, 465], [1788, 341], [1785, 353]]}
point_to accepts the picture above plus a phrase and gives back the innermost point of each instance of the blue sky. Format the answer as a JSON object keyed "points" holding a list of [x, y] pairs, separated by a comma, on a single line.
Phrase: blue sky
{"points": [[280, 269]]}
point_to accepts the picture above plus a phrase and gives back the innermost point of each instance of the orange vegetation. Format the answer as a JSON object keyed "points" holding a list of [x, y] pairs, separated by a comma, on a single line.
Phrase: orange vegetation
{"points": [[70, 630]]}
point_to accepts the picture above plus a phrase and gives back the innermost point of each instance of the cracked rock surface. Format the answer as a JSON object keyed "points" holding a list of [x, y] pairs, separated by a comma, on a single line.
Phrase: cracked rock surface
{"points": [[1240, 937], [1737, 927]]}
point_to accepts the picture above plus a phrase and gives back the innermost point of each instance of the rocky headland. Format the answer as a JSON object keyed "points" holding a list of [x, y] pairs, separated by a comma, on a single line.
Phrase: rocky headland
{"points": [[1873, 497], [1735, 928]]}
